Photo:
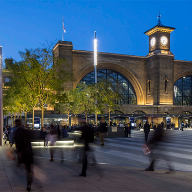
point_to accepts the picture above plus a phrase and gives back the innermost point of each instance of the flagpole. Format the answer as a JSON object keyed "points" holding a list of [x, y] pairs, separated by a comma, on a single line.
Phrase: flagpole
{"points": [[95, 64], [62, 30]]}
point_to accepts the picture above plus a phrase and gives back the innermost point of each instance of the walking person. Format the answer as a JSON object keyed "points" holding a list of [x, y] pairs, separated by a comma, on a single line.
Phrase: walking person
{"points": [[102, 130], [87, 137], [60, 136], [182, 126], [22, 140], [126, 130], [129, 130], [43, 135], [58, 131], [7, 133], [52, 138], [146, 130], [154, 145]]}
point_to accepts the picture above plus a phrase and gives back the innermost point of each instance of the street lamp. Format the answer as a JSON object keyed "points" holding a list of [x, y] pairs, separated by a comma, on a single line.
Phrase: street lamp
{"points": [[95, 64], [1, 100]]}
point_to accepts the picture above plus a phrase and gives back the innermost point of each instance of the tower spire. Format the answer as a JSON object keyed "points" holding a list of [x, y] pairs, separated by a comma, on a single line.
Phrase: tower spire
{"points": [[159, 20]]}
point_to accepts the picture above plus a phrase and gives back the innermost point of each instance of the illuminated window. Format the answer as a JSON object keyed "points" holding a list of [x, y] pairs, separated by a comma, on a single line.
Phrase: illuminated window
{"points": [[183, 91], [118, 81]]}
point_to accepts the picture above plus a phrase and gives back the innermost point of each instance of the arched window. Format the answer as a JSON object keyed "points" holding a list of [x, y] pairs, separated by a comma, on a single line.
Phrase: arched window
{"points": [[183, 91], [138, 112], [118, 81], [116, 112]]}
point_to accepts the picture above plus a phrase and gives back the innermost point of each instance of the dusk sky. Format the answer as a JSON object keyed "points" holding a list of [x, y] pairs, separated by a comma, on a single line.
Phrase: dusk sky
{"points": [[120, 25]]}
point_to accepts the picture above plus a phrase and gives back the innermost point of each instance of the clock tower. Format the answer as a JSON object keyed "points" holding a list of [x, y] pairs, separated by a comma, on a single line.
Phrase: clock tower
{"points": [[159, 38], [159, 66]]}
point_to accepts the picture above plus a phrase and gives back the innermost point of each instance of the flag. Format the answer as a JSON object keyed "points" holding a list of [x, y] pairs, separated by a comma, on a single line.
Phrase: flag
{"points": [[63, 27]]}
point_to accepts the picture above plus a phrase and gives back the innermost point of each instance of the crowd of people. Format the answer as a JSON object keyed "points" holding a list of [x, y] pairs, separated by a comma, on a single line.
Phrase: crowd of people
{"points": [[23, 152]]}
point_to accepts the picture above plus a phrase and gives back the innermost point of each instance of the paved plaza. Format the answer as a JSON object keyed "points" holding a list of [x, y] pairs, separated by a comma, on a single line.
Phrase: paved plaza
{"points": [[120, 167]]}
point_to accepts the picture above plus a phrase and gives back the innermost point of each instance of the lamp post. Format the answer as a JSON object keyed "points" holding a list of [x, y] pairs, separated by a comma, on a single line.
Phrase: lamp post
{"points": [[1, 100], [95, 64]]}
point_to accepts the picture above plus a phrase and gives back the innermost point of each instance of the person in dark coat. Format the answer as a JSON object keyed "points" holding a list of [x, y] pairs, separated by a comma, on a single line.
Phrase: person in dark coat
{"points": [[182, 126], [22, 140], [146, 130], [64, 131], [102, 130], [87, 137], [153, 144], [58, 131], [7, 133], [129, 129], [126, 130], [43, 135]]}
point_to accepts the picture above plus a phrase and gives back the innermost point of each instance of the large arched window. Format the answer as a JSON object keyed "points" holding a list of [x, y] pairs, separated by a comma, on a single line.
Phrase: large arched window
{"points": [[183, 91], [118, 81]]}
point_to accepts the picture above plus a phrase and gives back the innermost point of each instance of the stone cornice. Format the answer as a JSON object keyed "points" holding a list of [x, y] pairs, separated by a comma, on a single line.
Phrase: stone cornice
{"points": [[183, 61], [164, 29], [107, 54]]}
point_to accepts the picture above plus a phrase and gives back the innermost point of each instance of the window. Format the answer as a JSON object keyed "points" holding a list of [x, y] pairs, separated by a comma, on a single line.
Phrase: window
{"points": [[139, 112], [149, 87], [166, 80], [118, 81], [183, 91]]}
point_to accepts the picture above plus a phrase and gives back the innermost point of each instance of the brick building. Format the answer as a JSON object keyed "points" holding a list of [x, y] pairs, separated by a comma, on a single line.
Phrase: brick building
{"points": [[161, 84], [155, 87]]}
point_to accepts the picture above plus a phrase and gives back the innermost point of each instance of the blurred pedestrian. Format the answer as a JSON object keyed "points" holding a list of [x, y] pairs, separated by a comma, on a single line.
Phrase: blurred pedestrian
{"points": [[146, 130], [60, 137], [22, 140], [154, 144], [11, 142], [126, 130], [7, 133], [58, 131], [52, 137], [43, 135], [182, 126], [87, 137], [64, 131], [129, 129], [102, 130]]}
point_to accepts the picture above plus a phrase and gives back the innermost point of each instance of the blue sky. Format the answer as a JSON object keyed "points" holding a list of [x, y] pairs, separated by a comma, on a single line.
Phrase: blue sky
{"points": [[120, 25]]}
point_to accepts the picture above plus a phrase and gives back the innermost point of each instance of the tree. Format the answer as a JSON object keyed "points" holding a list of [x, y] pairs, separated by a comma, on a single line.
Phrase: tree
{"points": [[41, 74], [75, 101], [108, 96], [24, 98], [87, 101], [66, 108], [96, 100]]}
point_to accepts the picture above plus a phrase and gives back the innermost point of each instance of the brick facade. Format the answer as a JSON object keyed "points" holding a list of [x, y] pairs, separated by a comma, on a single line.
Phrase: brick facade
{"points": [[156, 68]]}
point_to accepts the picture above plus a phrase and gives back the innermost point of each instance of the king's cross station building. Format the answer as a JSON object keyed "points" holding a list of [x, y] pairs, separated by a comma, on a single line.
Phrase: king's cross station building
{"points": [[155, 88]]}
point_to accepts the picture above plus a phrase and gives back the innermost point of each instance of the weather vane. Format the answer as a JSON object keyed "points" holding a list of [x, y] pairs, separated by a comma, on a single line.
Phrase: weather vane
{"points": [[158, 17]]}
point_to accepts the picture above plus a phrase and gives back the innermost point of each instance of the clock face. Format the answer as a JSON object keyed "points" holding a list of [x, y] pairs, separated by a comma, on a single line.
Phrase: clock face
{"points": [[153, 41], [164, 40]]}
